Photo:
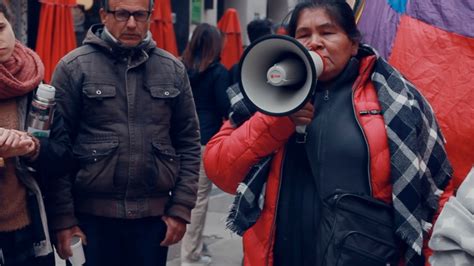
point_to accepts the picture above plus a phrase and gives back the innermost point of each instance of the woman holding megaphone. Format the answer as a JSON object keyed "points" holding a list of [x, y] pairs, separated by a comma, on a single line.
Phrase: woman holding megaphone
{"points": [[364, 186]]}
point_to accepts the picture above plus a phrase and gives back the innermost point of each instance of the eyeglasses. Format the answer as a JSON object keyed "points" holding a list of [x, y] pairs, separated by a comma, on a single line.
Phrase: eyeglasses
{"points": [[123, 15]]}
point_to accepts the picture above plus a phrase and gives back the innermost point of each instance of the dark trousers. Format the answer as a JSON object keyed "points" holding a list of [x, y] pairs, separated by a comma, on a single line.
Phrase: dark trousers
{"points": [[34, 261], [16, 249], [124, 242]]}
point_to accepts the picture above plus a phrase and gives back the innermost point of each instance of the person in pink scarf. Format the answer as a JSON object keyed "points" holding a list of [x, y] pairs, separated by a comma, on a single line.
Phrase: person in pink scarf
{"points": [[26, 162]]}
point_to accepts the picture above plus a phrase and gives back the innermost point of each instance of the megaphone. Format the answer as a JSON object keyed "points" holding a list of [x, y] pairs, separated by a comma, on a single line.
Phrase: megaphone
{"points": [[278, 75]]}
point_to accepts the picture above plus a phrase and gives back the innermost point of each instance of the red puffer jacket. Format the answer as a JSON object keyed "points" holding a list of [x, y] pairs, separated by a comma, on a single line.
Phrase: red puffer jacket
{"points": [[231, 152]]}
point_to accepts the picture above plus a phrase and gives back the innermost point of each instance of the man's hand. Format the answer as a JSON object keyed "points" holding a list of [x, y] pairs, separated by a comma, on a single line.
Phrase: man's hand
{"points": [[304, 116], [176, 228], [63, 241], [15, 143]]}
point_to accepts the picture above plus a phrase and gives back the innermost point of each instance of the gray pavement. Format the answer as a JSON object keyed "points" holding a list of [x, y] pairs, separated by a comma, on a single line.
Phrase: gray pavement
{"points": [[224, 246]]}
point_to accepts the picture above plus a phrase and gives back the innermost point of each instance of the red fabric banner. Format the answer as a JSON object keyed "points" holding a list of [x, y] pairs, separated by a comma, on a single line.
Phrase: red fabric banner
{"points": [[441, 64]]}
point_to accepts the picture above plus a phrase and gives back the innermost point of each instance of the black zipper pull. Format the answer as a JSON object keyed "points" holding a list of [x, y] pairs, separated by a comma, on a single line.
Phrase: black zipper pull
{"points": [[326, 95], [370, 112]]}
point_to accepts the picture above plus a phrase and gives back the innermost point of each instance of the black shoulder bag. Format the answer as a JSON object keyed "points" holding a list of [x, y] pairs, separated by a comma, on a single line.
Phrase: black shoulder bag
{"points": [[356, 230]]}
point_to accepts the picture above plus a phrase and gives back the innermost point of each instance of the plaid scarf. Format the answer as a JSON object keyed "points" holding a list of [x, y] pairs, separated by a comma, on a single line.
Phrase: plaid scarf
{"points": [[419, 166], [240, 108], [248, 202]]}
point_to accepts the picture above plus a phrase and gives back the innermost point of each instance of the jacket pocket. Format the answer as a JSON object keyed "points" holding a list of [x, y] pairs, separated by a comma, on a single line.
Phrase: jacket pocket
{"points": [[164, 92], [98, 160], [162, 102], [99, 91], [166, 167], [99, 104]]}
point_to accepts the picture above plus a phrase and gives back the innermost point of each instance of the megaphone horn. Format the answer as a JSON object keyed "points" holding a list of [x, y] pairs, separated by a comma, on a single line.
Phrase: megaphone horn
{"points": [[278, 74]]}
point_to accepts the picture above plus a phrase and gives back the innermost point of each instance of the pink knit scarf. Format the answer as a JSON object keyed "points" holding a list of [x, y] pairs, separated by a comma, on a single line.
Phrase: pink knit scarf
{"points": [[21, 73]]}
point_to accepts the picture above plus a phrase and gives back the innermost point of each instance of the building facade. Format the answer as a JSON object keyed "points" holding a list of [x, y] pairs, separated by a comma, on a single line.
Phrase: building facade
{"points": [[276, 10], [186, 15]]}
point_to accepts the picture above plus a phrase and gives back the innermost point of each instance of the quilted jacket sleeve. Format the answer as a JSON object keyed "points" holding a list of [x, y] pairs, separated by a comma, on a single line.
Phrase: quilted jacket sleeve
{"points": [[232, 151]]}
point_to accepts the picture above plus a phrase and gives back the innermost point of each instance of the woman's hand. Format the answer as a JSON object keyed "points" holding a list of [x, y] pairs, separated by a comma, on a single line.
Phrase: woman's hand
{"points": [[304, 116], [15, 143]]}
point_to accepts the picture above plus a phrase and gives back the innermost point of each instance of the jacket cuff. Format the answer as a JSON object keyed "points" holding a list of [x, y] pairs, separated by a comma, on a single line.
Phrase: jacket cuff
{"points": [[180, 211], [281, 128], [63, 222]]}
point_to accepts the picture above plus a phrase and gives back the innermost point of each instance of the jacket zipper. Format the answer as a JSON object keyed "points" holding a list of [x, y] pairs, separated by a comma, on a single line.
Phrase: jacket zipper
{"points": [[320, 128], [130, 155], [272, 231], [129, 67], [363, 134]]}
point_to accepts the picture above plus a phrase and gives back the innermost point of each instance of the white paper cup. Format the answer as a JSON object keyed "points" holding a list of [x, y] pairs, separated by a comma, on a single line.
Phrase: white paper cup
{"points": [[78, 258]]}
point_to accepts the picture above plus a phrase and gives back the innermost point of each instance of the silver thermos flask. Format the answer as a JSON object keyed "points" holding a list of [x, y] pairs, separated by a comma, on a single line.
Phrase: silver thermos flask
{"points": [[40, 116]]}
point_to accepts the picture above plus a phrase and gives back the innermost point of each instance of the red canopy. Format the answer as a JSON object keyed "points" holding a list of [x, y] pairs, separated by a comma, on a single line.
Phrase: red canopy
{"points": [[56, 35], [230, 25], [162, 27]]}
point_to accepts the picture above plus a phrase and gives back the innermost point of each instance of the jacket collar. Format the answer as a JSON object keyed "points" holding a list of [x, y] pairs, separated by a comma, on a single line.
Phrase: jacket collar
{"points": [[367, 57], [98, 35], [348, 75]]}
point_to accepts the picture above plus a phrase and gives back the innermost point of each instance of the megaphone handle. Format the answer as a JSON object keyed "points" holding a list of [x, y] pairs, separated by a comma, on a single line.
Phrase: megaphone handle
{"points": [[301, 134], [301, 129]]}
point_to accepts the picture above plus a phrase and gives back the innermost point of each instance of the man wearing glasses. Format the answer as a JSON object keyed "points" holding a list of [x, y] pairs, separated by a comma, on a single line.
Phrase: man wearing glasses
{"points": [[130, 113]]}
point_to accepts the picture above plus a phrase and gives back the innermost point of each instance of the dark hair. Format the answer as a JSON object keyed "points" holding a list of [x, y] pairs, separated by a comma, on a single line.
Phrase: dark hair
{"points": [[204, 48], [258, 28], [338, 10], [5, 10], [105, 4]]}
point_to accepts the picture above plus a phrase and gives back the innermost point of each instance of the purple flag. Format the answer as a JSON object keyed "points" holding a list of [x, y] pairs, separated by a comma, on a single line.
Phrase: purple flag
{"points": [[451, 15], [378, 25]]}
